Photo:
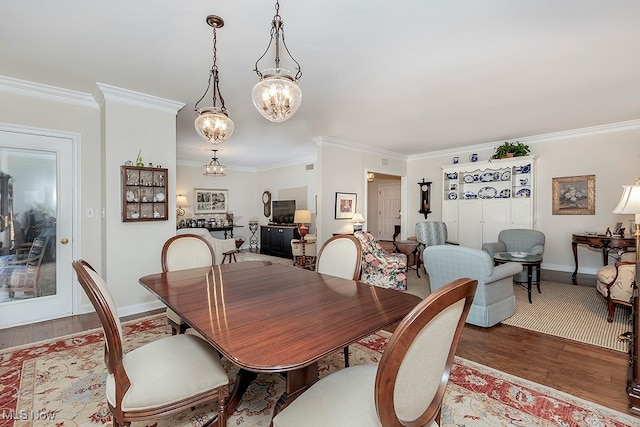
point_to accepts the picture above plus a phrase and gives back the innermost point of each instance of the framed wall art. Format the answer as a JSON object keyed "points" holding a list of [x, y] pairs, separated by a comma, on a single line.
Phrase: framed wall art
{"points": [[574, 195], [345, 205], [210, 201]]}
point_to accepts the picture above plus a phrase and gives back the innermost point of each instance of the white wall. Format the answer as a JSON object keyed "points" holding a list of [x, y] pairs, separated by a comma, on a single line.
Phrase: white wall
{"points": [[611, 153]]}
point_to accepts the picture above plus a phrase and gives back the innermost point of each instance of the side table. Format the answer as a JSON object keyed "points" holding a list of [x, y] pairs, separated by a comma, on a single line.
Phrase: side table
{"points": [[253, 240], [410, 249], [529, 261]]}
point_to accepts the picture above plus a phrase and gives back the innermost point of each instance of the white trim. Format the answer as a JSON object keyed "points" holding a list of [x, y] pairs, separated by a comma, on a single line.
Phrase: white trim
{"points": [[131, 97], [42, 91], [328, 140]]}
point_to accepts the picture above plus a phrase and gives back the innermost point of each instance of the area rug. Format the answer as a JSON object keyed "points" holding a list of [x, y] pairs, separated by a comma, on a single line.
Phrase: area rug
{"points": [[577, 313], [61, 383]]}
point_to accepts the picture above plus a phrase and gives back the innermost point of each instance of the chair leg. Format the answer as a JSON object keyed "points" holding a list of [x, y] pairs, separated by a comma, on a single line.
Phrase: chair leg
{"points": [[346, 357], [612, 310]]}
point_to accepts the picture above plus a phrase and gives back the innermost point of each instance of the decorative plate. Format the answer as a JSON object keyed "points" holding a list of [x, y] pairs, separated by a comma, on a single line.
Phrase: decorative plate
{"points": [[130, 196], [526, 169], [486, 177], [505, 194], [469, 195], [519, 254], [453, 195], [160, 197], [468, 179], [487, 193], [453, 175], [523, 192], [506, 176]]}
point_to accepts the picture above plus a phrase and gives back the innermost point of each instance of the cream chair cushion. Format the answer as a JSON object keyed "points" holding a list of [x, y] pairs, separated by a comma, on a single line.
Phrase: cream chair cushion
{"points": [[169, 378], [220, 246]]}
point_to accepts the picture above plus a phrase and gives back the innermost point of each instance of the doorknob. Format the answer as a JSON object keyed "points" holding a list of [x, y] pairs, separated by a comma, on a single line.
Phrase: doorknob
{"points": [[64, 240]]}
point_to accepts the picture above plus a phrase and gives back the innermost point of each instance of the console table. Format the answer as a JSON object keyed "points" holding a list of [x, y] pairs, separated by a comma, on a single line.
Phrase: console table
{"points": [[599, 241]]}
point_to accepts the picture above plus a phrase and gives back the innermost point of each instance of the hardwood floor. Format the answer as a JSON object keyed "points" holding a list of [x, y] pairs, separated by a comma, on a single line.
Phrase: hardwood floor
{"points": [[592, 373]]}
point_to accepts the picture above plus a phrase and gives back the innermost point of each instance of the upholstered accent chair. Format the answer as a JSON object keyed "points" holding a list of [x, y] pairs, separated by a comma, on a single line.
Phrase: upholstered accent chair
{"points": [[407, 386], [20, 272], [615, 282], [430, 233], [181, 252], [220, 246], [341, 256], [309, 249], [379, 267], [146, 382], [494, 300], [518, 240]]}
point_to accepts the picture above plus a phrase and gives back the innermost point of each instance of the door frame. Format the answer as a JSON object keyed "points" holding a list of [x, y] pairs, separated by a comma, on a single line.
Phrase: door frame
{"points": [[403, 200], [73, 138]]}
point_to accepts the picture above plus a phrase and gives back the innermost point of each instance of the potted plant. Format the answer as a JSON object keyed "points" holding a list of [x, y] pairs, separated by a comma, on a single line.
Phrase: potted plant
{"points": [[511, 149]]}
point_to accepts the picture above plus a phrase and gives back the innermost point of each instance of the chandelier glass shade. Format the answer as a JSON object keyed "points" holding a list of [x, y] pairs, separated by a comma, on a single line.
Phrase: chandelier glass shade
{"points": [[214, 168], [213, 123], [277, 95]]}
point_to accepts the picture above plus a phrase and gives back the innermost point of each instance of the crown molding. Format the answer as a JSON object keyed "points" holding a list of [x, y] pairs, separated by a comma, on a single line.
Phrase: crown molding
{"points": [[545, 137], [42, 91], [335, 142], [113, 93]]}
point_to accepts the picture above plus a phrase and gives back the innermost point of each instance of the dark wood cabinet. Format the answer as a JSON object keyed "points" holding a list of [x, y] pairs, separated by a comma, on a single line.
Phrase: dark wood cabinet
{"points": [[276, 240], [633, 384], [144, 194]]}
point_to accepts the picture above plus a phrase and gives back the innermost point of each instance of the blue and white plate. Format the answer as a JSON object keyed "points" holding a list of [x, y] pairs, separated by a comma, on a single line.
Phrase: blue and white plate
{"points": [[453, 195], [526, 169], [523, 192], [469, 195], [468, 179], [506, 176], [486, 177], [487, 193], [505, 194], [453, 175]]}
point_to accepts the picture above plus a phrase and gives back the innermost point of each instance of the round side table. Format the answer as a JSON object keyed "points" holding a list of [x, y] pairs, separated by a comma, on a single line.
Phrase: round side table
{"points": [[410, 249], [530, 261]]}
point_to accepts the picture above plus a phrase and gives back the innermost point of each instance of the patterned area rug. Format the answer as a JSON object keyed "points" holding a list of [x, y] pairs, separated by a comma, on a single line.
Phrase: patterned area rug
{"points": [[578, 313], [61, 383]]}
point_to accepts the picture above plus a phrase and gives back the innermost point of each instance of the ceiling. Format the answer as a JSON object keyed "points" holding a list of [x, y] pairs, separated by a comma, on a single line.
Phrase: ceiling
{"points": [[408, 77]]}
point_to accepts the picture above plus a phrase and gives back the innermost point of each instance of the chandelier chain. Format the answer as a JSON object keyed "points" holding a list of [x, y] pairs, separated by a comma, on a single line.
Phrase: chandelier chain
{"points": [[213, 74]]}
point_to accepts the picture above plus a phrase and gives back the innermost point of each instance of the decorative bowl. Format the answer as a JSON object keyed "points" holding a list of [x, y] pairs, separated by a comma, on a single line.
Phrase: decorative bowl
{"points": [[519, 254]]}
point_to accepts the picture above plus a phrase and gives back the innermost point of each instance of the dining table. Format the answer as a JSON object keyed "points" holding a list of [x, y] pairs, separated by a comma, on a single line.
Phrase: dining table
{"points": [[275, 318]]}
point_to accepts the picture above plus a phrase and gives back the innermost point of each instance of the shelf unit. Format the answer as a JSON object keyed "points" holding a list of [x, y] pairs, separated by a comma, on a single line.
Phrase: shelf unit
{"points": [[144, 194]]}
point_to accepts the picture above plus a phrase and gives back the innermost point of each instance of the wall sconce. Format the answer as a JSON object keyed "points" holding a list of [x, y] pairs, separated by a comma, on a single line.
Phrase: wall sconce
{"points": [[302, 217], [425, 195], [181, 203], [357, 219]]}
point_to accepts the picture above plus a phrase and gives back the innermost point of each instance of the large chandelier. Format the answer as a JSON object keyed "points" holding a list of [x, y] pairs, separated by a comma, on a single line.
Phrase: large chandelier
{"points": [[214, 168], [213, 123], [277, 95]]}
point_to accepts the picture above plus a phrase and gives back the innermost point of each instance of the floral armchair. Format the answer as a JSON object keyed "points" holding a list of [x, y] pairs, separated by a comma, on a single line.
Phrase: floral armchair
{"points": [[615, 282], [379, 267]]}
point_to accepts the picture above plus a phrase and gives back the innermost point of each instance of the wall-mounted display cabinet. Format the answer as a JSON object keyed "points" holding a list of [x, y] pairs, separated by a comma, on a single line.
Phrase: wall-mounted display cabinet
{"points": [[481, 199], [144, 193]]}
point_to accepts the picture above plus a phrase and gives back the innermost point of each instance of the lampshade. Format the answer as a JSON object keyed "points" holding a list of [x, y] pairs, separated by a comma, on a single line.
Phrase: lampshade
{"points": [[213, 123], [302, 217], [630, 201], [277, 95], [181, 202], [358, 218]]}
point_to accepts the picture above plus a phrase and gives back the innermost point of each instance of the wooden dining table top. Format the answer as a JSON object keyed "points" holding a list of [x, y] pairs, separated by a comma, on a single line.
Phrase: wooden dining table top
{"points": [[269, 317]]}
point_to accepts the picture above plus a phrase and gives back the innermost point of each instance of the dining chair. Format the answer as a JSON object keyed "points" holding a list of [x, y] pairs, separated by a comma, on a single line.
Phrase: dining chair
{"points": [[341, 256], [181, 252], [407, 386], [21, 273], [146, 383]]}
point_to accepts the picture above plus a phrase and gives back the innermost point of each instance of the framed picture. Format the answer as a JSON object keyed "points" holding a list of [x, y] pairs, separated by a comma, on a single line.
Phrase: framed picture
{"points": [[574, 195], [345, 205], [208, 201]]}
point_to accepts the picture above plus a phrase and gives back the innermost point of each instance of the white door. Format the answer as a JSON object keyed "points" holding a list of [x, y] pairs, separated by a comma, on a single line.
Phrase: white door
{"points": [[39, 208], [388, 210]]}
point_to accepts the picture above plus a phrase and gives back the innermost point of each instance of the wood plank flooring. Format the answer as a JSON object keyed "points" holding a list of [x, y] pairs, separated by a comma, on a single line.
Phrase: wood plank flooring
{"points": [[592, 373]]}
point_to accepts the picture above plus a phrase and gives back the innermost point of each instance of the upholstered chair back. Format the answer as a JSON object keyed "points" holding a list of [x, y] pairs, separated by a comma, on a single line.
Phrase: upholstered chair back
{"points": [[518, 240], [186, 251], [220, 246], [431, 233], [340, 256]]}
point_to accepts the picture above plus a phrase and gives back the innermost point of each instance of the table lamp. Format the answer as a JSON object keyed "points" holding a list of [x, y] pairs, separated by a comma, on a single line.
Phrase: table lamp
{"points": [[630, 204], [357, 219], [181, 203], [301, 217]]}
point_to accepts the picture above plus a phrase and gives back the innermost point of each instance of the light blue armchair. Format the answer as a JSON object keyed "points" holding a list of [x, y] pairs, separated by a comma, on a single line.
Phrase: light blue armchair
{"points": [[518, 240], [429, 233], [494, 300]]}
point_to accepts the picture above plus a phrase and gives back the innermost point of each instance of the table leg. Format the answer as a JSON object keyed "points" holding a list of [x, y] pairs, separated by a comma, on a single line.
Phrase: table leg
{"points": [[418, 260], [529, 280], [297, 382], [574, 246], [605, 255], [243, 379]]}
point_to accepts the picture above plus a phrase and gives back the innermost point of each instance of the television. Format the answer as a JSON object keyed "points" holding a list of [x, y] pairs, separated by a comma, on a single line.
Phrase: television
{"points": [[283, 211]]}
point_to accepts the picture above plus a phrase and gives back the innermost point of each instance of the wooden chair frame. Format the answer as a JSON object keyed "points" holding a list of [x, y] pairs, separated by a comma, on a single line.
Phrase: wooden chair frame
{"points": [[114, 352]]}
